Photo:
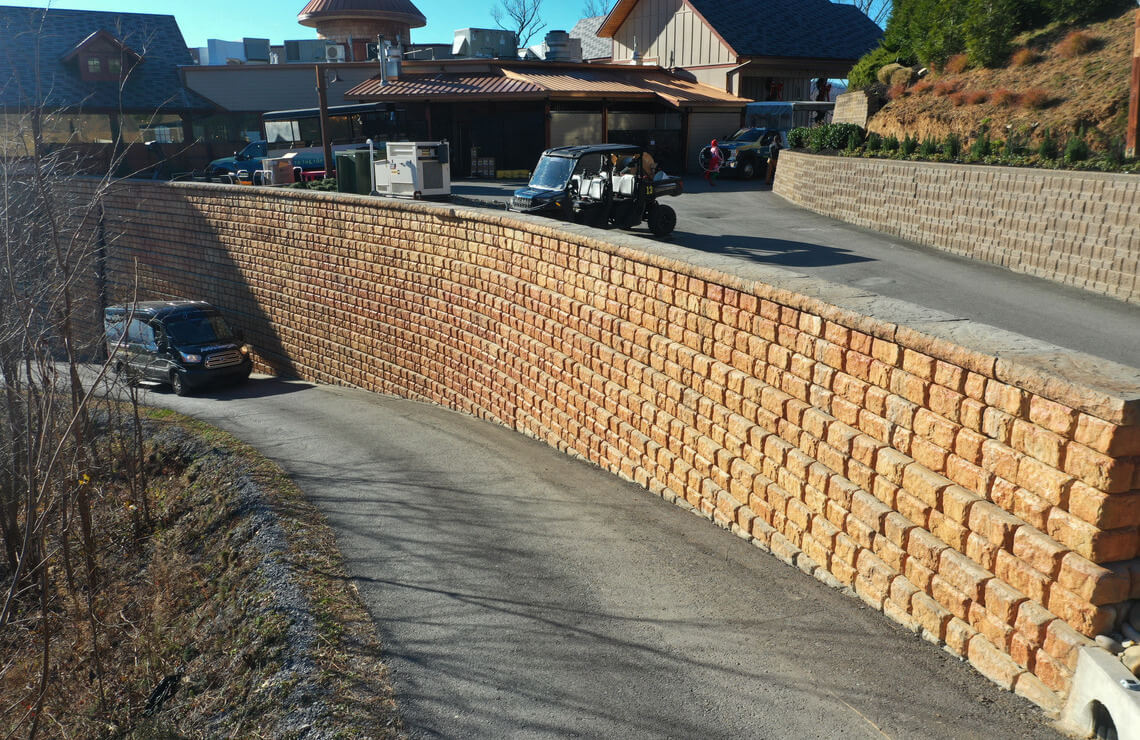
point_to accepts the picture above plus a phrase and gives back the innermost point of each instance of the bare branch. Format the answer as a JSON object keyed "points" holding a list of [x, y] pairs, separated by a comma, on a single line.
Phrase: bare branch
{"points": [[520, 16]]}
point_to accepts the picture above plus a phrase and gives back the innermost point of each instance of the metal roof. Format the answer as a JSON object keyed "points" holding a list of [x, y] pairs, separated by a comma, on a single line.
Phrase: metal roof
{"points": [[543, 81], [333, 110], [318, 11]]}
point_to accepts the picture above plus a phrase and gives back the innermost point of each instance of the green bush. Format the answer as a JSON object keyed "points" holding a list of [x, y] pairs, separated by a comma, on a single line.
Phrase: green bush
{"points": [[952, 146], [982, 147], [1076, 150], [988, 30], [797, 137], [874, 142], [928, 147], [864, 73], [1048, 148], [908, 146], [891, 143]]}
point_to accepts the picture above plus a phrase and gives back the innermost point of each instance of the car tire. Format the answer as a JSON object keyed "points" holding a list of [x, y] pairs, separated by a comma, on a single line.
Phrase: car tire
{"points": [[178, 384], [662, 220], [747, 169]]}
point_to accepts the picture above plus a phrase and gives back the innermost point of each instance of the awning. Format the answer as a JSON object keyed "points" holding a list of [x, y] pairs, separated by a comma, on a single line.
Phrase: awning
{"points": [[334, 110]]}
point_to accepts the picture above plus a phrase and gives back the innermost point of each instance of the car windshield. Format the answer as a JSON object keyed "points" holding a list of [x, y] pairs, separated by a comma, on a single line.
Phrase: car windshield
{"points": [[552, 173], [747, 134], [197, 329]]}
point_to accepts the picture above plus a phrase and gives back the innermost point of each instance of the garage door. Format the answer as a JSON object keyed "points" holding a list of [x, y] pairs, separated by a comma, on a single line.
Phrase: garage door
{"points": [[703, 128]]}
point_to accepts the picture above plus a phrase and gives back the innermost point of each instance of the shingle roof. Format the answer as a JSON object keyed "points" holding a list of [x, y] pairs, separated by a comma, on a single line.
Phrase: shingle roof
{"points": [[154, 84], [813, 29], [593, 47]]}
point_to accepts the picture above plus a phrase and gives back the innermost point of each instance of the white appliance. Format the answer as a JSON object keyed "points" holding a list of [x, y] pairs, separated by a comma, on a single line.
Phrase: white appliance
{"points": [[415, 169]]}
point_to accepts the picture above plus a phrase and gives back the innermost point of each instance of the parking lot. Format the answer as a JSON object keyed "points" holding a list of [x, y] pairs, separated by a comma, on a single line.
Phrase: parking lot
{"points": [[743, 228]]}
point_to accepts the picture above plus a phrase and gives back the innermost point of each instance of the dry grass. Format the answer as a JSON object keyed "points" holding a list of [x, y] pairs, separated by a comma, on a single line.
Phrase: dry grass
{"points": [[1004, 96], [1036, 98], [1024, 57], [947, 86], [1075, 44], [922, 87], [976, 97], [898, 90], [957, 99], [956, 64]]}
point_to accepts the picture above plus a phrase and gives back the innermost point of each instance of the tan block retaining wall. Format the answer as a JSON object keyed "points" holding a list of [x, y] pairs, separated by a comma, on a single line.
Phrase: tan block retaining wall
{"points": [[982, 502], [1076, 228]]}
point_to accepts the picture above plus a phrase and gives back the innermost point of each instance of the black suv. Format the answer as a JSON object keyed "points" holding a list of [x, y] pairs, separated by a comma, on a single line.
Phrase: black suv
{"points": [[185, 343], [600, 185]]}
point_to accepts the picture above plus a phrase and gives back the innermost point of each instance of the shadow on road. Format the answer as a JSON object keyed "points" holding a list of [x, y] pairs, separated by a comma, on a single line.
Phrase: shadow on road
{"points": [[254, 388], [769, 251]]}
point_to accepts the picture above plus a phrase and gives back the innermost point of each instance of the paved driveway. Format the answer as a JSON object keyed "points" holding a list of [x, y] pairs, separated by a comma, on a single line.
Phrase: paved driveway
{"points": [[521, 593], [742, 228]]}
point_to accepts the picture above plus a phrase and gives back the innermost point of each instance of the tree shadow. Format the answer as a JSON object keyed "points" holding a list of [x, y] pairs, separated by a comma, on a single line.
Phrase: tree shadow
{"points": [[783, 252]]}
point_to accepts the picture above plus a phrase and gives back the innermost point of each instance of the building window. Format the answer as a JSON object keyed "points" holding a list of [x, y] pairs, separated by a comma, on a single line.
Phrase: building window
{"points": [[114, 67], [94, 67]]}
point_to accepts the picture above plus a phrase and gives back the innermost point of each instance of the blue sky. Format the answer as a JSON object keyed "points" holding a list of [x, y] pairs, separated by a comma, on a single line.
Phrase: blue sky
{"points": [[277, 19]]}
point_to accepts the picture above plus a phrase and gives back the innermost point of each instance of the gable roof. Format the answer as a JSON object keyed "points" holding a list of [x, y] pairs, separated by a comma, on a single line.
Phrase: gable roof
{"points": [[107, 39], [153, 84], [593, 47], [812, 29]]}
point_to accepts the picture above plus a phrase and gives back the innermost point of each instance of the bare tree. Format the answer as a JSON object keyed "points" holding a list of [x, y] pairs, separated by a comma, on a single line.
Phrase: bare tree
{"points": [[520, 16], [594, 8], [877, 10]]}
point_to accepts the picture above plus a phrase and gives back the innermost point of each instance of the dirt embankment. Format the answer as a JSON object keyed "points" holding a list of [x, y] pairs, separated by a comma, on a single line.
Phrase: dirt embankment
{"points": [[231, 617], [1086, 91]]}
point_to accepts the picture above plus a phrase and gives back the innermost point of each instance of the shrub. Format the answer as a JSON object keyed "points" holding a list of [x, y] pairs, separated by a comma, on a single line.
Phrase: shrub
{"points": [[894, 92], [891, 143], [1024, 57], [958, 99], [853, 141], [988, 27], [874, 142], [928, 147], [1075, 44], [797, 137], [863, 74], [975, 97], [885, 74], [1047, 149], [956, 64], [953, 145], [1004, 96], [922, 87], [1035, 98], [982, 146], [837, 135], [908, 146], [947, 87], [904, 76], [1076, 150]]}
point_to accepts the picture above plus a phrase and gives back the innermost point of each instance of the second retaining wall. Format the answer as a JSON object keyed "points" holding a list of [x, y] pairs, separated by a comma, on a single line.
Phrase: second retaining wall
{"points": [[1076, 228]]}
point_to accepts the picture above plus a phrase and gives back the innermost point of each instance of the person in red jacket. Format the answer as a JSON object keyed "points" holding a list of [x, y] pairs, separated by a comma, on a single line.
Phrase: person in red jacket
{"points": [[712, 167]]}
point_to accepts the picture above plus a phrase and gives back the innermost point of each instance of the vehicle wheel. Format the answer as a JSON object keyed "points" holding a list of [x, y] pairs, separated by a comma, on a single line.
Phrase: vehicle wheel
{"points": [[662, 220], [747, 169], [704, 157], [178, 384]]}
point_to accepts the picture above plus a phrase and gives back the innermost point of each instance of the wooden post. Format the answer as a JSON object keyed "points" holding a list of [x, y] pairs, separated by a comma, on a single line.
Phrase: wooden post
{"points": [[323, 98], [605, 122], [1134, 97], [547, 116]]}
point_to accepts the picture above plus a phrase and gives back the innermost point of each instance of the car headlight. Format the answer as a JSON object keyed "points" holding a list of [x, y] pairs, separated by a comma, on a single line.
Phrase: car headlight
{"points": [[246, 349], [189, 356]]}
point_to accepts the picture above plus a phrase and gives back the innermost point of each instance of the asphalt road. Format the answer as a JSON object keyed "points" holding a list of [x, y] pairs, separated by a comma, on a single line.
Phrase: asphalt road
{"points": [[739, 227], [521, 593]]}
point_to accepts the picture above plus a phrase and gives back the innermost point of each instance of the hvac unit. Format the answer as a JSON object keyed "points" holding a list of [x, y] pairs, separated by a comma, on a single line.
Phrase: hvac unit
{"points": [[334, 53], [414, 170]]}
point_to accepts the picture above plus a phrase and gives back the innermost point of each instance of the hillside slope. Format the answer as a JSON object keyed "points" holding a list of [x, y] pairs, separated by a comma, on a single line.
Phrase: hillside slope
{"points": [[1087, 91]]}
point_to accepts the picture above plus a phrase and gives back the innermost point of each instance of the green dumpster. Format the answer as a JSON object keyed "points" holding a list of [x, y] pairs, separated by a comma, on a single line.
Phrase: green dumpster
{"points": [[352, 175]]}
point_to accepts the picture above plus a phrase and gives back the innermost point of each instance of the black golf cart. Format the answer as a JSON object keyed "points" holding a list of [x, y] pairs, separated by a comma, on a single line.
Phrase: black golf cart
{"points": [[600, 185]]}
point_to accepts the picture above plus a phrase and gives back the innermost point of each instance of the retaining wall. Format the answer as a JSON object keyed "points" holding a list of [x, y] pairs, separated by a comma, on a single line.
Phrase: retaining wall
{"points": [[1076, 228], [991, 504]]}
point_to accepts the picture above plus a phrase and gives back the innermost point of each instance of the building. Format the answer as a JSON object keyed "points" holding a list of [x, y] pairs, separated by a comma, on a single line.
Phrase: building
{"points": [[760, 51], [594, 48], [356, 23], [501, 114], [105, 76]]}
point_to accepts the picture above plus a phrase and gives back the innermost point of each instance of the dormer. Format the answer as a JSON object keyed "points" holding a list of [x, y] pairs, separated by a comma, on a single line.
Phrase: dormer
{"points": [[102, 58]]}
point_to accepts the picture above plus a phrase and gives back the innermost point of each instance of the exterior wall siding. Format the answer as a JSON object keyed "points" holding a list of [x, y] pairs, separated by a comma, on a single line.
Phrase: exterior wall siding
{"points": [[664, 26], [980, 502], [1076, 228]]}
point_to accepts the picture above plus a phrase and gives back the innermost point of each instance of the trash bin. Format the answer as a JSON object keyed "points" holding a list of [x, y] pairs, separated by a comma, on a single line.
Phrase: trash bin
{"points": [[352, 175]]}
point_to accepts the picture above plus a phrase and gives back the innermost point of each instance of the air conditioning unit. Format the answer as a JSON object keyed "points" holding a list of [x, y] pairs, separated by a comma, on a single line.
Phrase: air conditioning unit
{"points": [[334, 53]]}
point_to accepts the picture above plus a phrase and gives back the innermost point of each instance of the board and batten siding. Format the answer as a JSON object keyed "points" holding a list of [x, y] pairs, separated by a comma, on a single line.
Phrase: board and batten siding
{"points": [[664, 26]]}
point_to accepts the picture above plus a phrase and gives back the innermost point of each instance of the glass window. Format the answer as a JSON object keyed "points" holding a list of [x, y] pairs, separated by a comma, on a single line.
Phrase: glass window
{"points": [[140, 332], [197, 329], [115, 66], [163, 128], [94, 66]]}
